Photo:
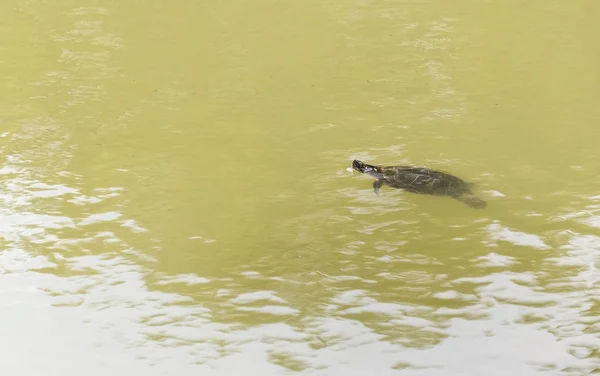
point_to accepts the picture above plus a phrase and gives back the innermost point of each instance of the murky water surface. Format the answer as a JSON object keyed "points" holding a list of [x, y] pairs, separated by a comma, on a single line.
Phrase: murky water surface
{"points": [[174, 198]]}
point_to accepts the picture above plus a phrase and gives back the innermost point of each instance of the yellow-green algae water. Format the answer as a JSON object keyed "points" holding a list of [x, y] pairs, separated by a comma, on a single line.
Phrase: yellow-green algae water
{"points": [[174, 197]]}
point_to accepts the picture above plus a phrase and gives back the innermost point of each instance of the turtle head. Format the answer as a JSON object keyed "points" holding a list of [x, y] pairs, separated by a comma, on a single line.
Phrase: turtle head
{"points": [[363, 167]]}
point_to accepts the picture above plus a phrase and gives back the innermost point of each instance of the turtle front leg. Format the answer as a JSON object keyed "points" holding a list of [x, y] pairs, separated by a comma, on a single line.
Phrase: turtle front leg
{"points": [[376, 185]]}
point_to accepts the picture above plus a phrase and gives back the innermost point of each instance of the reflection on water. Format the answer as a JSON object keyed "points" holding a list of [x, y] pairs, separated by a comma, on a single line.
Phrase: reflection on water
{"points": [[381, 305], [119, 254]]}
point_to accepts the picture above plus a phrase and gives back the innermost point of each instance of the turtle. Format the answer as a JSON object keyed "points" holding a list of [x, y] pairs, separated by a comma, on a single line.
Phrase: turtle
{"points": [[420, 180]]}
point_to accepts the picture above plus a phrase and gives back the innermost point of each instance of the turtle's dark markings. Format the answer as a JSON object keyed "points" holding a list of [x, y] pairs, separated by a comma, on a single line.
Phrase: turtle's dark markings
{"points": [[420, 180]]}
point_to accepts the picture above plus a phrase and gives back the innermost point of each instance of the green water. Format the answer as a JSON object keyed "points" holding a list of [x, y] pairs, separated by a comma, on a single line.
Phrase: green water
{"points": [[174, 198]]}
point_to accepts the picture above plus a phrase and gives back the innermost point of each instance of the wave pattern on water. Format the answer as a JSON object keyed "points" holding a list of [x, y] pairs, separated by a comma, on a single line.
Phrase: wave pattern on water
{"points": [[346, 283]]}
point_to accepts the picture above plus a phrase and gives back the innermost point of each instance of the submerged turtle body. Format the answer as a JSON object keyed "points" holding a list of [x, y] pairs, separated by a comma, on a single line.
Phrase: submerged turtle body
{"points": [[420, 180]]}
